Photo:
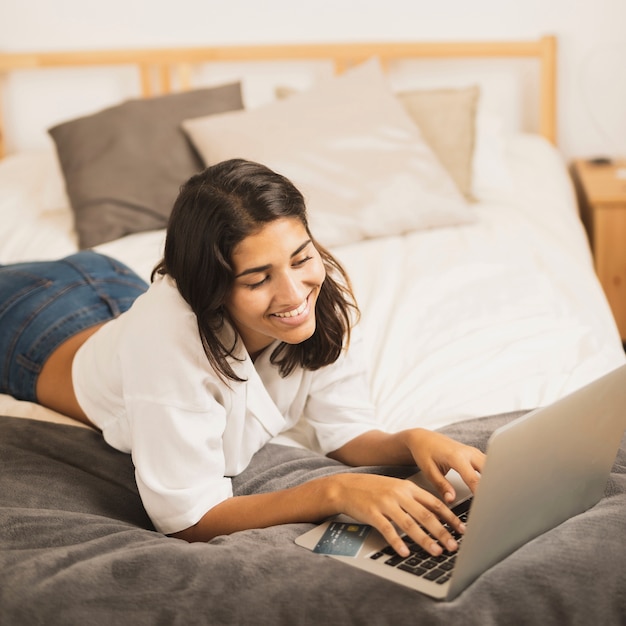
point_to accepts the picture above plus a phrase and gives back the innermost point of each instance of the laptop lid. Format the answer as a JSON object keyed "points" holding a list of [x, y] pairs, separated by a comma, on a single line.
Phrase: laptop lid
{"points": [[542, 469]]}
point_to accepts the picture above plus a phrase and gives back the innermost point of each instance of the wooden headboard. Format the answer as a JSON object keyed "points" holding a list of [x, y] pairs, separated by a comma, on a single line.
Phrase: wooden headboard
{"points": [[160, 69]]}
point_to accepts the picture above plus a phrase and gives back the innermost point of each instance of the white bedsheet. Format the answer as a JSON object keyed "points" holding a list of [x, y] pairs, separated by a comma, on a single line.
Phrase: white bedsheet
{"points": [[460, 322]]}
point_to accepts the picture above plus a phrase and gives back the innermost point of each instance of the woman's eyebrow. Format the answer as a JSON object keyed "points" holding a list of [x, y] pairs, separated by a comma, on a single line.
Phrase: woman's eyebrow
{"points": [[254, 270], [301, 248], [264, 268]]}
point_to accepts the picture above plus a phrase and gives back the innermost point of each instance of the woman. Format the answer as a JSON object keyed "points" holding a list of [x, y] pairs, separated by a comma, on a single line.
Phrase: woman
{"points": [[245, 328]]}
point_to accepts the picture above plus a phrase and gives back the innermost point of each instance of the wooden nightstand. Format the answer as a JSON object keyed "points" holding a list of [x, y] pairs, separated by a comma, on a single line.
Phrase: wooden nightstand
{"points": [[601, 192]]}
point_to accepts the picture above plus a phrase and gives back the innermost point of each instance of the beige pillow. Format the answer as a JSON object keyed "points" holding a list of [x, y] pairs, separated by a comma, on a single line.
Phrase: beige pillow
{"points": [[351, 148], [447, 119]]}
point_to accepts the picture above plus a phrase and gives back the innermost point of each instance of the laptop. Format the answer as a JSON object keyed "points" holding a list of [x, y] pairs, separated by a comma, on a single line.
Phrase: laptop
{"points": [[541, 469]]}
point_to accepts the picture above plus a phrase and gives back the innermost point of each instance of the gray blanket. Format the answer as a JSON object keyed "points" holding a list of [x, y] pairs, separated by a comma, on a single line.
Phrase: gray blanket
{"points": [[76, 547]]}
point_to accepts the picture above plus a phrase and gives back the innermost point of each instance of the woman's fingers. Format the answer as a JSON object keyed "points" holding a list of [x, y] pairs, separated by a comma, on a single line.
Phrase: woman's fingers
{"points": [[442, 485], [422, 517], [436, 454], [468, 468], [391, 536], [394, 507], [424, 523]]}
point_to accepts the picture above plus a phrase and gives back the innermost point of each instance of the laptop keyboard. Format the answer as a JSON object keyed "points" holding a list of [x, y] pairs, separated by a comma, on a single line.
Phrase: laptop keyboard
{"points": [[421, 563]]}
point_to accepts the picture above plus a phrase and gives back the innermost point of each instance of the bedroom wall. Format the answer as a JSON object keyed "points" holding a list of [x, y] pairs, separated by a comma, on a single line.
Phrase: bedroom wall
{"points": [[592, 92]]}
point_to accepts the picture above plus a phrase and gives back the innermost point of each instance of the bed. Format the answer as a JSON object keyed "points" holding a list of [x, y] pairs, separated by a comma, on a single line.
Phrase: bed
{"points": [[452, 210]]}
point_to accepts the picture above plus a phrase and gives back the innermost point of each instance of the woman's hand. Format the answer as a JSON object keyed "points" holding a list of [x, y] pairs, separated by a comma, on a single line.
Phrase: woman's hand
{"points": [[379, 503], [435, 454], [389, 504]]}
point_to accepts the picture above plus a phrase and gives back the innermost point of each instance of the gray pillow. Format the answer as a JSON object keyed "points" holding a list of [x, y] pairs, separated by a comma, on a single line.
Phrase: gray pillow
{"points": [[123, 166]]}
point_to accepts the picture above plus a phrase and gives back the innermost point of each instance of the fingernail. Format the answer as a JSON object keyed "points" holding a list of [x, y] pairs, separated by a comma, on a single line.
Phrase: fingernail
{"points": [[452, 545], [435, 549]]}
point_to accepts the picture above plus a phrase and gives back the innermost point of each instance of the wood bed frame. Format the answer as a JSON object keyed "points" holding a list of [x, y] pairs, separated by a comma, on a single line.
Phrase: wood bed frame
{"points": [[160, 69]]}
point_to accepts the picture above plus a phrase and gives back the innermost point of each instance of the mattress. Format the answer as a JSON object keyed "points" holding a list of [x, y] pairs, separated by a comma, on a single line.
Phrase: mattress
{"points": [[502, 314]]}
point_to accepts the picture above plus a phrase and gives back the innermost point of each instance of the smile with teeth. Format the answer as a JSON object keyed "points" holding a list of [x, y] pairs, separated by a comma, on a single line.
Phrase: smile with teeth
{"points": [[294, 312]]}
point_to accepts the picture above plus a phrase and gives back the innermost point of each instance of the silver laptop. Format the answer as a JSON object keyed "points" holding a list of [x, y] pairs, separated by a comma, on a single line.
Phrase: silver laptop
{"points": [[541, 469]]}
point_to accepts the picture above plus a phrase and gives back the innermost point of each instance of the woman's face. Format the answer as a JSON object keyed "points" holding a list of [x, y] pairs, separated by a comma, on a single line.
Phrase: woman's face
{"points": [[278, 276]]}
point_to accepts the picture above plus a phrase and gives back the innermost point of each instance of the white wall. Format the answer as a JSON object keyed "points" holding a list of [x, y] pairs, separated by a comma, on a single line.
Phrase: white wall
{"points": [[592, 41]]}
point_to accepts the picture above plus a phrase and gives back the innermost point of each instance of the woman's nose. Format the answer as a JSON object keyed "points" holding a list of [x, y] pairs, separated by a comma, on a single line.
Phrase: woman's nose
{"points": [[289, 290]]}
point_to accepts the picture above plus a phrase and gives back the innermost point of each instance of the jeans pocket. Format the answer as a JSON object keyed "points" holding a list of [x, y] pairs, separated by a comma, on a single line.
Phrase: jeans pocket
{"points": [[17, 284]]}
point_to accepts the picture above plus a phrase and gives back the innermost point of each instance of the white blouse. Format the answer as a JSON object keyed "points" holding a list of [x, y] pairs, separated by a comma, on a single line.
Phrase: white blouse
{"points": [[145, 381]]}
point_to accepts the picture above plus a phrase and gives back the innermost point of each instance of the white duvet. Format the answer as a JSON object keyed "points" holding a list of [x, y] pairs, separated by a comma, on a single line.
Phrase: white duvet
{"points": [[460, 322]]}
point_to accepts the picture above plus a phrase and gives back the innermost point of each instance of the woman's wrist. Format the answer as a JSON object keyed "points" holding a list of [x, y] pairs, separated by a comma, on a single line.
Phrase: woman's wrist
{"points": [[412, 439], [324, 495]]}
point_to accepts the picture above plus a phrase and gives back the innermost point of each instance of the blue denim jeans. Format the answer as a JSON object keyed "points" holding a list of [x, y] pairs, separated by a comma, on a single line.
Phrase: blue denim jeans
{"points": [[43, 303]]}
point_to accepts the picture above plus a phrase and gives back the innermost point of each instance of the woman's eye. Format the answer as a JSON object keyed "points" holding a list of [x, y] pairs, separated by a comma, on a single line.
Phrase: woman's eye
{"points": [[258, 284], [302, 261]]}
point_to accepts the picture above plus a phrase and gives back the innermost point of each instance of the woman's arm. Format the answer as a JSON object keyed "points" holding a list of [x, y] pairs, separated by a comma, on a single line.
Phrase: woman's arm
{"points": [[339, 411], [377, 500]]}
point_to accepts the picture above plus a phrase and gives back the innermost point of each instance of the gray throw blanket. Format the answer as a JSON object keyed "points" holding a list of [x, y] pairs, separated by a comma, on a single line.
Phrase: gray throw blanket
{"points": [[77, 548]]}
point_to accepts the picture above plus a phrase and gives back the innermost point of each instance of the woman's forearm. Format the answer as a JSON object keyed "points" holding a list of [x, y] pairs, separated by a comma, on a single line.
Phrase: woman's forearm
{"points": [[376, 447], [310, 502]]}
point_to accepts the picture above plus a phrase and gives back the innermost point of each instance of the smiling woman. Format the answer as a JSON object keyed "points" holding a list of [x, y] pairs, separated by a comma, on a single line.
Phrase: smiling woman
{"points": [[245, 329], [224, 233]]}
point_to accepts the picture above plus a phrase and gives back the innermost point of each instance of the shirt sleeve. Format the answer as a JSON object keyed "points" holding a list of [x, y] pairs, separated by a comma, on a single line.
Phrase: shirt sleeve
{"points": [[339, 406], [179, 462]]}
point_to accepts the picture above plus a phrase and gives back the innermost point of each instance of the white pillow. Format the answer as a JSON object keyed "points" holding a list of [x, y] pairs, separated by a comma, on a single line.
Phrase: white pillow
{"points": [[490, 171], [32, 185], [352, 150]]}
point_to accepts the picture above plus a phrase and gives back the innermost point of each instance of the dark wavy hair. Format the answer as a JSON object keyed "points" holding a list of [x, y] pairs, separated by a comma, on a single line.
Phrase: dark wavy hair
{"points": [[215, 210]]}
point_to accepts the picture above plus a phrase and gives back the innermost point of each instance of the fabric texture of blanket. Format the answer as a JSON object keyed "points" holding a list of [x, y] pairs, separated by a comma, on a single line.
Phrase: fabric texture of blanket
{"points": [[77, 547]]}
